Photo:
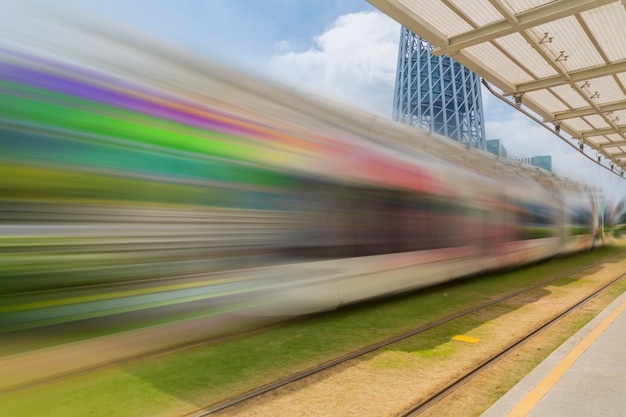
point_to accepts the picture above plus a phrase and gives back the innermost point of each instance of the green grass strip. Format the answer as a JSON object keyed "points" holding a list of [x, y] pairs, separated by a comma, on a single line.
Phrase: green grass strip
{"points": [[181, 382]]}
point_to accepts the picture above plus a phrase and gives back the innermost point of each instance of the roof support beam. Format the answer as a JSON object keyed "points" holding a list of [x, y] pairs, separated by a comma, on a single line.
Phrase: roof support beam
{"points": [[504, 12], [612, 144], [582, 75], [588, 111], [534, 17], [601, 132]]}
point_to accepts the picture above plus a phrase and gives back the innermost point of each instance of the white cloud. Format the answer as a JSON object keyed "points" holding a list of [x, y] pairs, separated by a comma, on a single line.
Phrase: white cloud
{"points": [[354, 61], [283, 46]]}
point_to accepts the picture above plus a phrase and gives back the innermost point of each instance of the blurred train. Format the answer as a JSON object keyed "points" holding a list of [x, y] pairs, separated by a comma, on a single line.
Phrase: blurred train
{"points": [[125, 160]]}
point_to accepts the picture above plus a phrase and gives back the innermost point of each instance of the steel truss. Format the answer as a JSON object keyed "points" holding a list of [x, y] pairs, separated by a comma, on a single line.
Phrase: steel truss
{"points": [[437, 93]]}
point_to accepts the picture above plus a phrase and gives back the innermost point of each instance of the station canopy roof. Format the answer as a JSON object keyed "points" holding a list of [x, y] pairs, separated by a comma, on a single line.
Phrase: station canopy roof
{"points": [[565, 59]]}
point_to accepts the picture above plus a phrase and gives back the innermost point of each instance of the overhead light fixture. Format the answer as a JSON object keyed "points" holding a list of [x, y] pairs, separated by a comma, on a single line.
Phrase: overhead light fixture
{"points": [[557, 127], [581, 145], [561, 57], [518, 100], [546, 39]]}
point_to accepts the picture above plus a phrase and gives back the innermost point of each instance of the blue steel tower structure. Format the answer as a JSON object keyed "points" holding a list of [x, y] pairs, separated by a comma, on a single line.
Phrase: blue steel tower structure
{"points": [[437, 93]]}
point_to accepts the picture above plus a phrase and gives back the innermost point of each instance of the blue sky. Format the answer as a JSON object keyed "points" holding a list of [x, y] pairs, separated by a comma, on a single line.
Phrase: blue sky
{"points": [[341, 49], [244, 31], [331, 47]]}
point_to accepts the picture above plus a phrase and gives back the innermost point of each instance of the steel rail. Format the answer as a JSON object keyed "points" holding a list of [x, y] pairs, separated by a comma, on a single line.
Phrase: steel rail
{"points": [[322, 367], [450, 388]]}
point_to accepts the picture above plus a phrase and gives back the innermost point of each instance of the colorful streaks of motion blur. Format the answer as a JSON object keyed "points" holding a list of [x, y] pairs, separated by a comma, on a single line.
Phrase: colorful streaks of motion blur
{"points": [[145, 185], [108, 179]]}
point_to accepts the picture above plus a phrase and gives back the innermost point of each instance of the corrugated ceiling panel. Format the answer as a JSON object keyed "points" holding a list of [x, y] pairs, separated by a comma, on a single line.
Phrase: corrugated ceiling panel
{"points": [[597, 140], [608, 25], [479, 11], [547, 100], [607, 88], [596, 121], [569, 37], [571, 96], [520, 6], [526, 55], [578, 124], [621, 115], [438, 15], [493, 60], [614, 137]]}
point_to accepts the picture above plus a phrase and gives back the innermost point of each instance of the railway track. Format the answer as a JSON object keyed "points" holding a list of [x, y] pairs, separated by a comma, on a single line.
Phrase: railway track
{"points": [[425, 403], [422, 406]]}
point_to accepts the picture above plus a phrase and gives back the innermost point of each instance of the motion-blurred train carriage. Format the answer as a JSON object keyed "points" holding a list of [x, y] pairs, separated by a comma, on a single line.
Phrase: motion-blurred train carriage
{"points": [[125, 159]]}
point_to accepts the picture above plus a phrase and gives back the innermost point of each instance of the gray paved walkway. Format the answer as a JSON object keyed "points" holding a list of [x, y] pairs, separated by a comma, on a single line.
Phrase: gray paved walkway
{"points": [[585, 377]]}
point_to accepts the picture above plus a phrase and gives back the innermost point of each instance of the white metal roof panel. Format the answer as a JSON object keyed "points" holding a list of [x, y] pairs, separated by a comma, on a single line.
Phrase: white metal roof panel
{"points": [[621, 115], [596, 121], [566, 59], [498, 63], [526, 56], [444, 19], [579, 124], [608, 90], [480, 12], [519, 7], [600, 141], [569, 40], [545, 96], [606, 24], [571, 97]]}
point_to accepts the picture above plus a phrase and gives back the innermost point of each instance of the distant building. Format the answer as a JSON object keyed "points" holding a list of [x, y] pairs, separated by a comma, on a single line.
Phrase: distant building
{"points": [[495, 147], [437, 93], [541, 161]]}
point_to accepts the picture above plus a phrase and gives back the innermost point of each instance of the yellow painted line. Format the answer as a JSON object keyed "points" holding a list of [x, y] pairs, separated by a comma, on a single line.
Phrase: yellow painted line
{"points": [[531, 399], [466, 339], [109, 296]]}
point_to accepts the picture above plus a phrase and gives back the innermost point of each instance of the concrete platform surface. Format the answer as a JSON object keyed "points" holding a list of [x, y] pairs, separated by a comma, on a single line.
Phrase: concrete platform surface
{"points": [[584, 377]]}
